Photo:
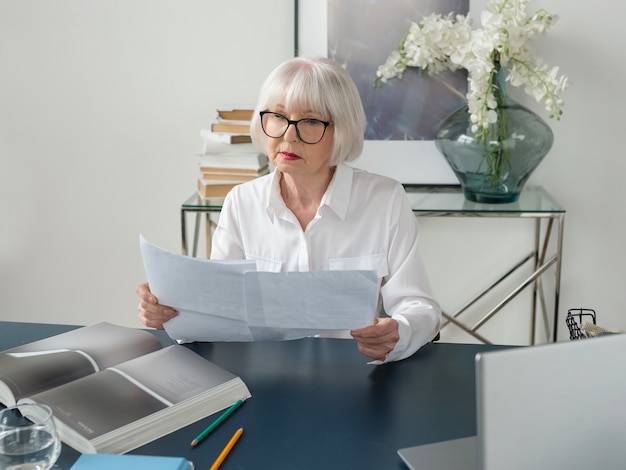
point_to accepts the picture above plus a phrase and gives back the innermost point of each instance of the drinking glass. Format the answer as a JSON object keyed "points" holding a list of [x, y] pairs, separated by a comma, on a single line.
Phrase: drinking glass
{"points": [[28, 438]]}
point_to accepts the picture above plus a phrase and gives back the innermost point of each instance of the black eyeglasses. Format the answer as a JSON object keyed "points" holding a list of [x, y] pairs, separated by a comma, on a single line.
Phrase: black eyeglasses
{"points": [[309, 130]]}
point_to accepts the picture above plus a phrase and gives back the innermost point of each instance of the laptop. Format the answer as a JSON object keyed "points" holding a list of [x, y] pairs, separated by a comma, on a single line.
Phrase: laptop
{"points": [[553, 406]]}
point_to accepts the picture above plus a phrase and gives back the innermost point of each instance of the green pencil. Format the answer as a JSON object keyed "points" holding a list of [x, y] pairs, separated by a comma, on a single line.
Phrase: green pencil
{"points": [[216, 423]]}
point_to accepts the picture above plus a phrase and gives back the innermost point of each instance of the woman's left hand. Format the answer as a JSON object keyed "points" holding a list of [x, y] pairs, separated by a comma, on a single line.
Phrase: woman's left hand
{"points": [[378, 340]]}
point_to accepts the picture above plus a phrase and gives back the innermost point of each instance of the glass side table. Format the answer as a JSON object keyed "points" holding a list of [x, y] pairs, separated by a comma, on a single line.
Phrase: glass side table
{"points": [[448, 201], [198, 205], [535, 203]]}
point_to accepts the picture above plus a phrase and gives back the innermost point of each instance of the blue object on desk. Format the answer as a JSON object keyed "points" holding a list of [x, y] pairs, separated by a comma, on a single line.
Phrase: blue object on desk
{"points": [[130, 462]]}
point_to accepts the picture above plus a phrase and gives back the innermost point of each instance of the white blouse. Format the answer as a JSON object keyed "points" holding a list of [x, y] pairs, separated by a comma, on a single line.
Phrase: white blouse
{"points": [[364, 222]]}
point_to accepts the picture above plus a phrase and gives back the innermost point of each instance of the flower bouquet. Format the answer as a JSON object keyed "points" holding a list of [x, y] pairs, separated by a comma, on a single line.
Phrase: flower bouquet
{"points": [[502, 43]]}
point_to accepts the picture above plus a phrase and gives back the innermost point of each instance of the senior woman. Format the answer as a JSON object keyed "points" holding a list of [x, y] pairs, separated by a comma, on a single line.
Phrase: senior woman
{"points": [[316, 213]]}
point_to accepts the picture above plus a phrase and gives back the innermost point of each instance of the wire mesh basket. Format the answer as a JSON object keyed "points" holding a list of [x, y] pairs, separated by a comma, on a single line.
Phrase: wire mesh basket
{"points": [[579, 329]]}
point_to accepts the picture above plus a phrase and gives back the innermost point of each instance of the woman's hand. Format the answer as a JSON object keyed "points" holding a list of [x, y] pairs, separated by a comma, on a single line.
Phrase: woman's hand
{"points": [[151, 313], [378, 340]]}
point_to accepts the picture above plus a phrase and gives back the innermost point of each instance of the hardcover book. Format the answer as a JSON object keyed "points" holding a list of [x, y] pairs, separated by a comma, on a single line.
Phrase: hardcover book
{"points": [[208, 188], [250, 161], [229, 127], [224, 138], [226, 174], [238, 172], [213, 142], [235, 114], [113, 389]]}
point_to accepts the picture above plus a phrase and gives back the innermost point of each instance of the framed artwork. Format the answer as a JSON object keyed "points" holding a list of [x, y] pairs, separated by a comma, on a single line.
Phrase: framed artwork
{"points": [[402, 115]]}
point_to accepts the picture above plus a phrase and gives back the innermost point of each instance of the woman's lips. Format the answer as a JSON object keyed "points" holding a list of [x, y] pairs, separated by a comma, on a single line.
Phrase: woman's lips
{"points": [[289, 156]]}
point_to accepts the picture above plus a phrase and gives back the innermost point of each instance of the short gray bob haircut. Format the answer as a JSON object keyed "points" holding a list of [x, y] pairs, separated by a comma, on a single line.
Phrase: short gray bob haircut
{"points": [[322, 86]]}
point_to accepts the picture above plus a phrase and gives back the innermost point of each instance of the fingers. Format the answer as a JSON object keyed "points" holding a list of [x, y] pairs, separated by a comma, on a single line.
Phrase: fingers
{"points": [[376, 354], [382, 327], [143, 291], [151, 313], [378, 340]]}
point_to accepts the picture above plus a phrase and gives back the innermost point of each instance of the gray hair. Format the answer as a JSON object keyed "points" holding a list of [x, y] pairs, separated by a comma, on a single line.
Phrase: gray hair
{"points": [[322, 86]]}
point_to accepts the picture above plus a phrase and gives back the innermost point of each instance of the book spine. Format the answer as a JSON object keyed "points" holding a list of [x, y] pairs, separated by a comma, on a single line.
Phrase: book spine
{"points": [[208, 188], [230, 128], [235, 114], [249, 162], [234, 170], [227, 176]]}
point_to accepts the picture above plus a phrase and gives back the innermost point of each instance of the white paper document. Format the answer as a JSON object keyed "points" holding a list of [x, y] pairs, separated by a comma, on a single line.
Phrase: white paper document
{"points": [[232, 301]]}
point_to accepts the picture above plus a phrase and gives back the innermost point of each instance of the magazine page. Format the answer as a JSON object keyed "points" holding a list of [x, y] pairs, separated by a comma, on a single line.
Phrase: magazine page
{"points": [[99, 403], [47, 363], [24, 375], [175, 374]]}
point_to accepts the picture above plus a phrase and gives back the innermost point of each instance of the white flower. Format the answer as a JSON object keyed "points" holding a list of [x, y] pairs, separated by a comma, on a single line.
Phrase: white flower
{"points": [[449, 42]]}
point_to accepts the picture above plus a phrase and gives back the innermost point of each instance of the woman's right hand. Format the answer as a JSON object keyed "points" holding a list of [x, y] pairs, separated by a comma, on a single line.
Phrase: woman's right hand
{"points": [[151, 313]]}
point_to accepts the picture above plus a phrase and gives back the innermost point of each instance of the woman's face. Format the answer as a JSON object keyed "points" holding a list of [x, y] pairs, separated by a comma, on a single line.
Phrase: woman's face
{"points": [[291, 155]]}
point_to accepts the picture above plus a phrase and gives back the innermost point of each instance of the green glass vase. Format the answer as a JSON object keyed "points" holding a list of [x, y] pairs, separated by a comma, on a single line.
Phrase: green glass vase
{"points": [[494, 169]]}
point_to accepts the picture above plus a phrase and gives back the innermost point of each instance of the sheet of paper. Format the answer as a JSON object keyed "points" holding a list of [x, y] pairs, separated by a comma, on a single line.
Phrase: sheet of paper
{"points": [[231, 301]]}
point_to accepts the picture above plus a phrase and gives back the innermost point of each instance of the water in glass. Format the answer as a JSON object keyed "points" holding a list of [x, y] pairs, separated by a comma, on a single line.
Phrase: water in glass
{"points": [[28, 438]]}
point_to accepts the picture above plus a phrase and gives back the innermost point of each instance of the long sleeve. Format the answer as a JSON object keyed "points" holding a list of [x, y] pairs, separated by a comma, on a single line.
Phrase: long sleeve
{"points": [[406, 292]]}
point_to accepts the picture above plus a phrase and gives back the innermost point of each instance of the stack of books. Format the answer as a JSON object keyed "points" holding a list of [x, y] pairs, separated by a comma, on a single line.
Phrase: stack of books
{"points": [[228, 157], [235, 122]]}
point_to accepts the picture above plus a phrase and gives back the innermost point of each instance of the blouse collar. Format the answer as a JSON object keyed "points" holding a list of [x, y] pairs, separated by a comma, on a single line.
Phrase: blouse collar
{"points": [[337, 196]]}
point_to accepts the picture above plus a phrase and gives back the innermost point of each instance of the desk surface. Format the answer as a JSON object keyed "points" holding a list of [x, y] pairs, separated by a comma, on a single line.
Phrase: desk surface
{"points": [[317, 404], [447, 200]]}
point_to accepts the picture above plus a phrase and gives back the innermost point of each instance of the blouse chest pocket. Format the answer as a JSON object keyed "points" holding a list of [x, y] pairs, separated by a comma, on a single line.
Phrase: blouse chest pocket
{"points": [[266, 264], [377, 263]]}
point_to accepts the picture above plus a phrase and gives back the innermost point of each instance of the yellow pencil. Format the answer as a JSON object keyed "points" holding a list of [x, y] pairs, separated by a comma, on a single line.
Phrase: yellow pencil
{"points": [[227, 449]]}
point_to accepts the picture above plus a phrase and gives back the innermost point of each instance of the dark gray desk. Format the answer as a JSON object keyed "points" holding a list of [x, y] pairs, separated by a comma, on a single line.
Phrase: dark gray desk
{"points": [[317, 404]]}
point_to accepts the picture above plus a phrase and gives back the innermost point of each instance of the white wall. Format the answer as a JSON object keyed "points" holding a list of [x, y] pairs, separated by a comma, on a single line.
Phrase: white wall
{"points": [[101, 104]]}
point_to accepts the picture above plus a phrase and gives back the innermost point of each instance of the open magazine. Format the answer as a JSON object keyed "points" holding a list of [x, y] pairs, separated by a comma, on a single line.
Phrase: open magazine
{"points": [[113, 389]]}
